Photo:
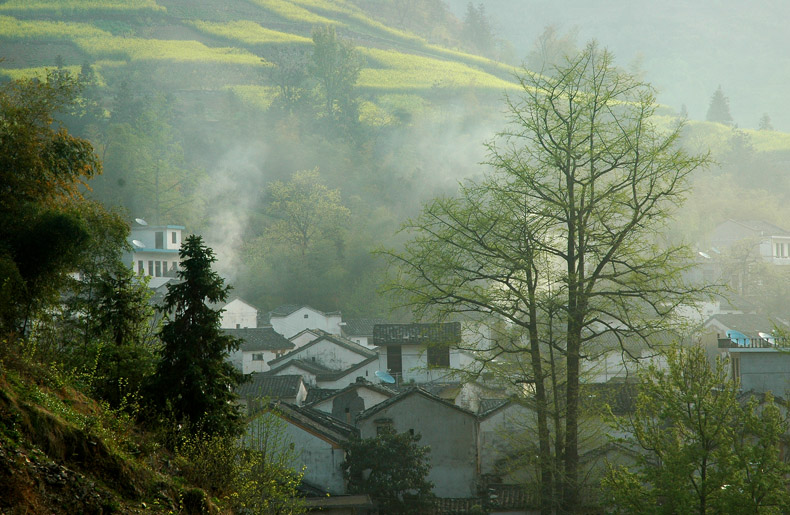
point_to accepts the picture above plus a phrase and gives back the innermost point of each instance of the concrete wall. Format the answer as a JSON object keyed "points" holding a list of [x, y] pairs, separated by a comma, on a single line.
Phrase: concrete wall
{"points": [[322, 460], [369, 399], [303, 338], [764, 370], [451, 434]]}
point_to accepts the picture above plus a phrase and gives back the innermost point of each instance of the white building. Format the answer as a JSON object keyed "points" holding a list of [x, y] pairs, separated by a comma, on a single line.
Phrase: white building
{"points": [[155, 251], [291, 320]]}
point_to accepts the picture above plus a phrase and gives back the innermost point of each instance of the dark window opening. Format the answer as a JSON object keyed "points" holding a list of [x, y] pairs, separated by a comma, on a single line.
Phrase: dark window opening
{"points": [[150, 268], [160, 240], [439, 357], [158, 268], [140, 267], [173, 237], [394, 359]]}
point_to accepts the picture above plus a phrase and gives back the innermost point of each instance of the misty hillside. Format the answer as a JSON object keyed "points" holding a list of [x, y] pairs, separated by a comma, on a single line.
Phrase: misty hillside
{"points": [[212, 115], [686, 49]]}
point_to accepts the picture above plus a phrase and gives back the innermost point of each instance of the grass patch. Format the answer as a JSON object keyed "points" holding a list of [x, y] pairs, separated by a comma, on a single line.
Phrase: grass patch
{"points": [[404, 72], [249, 33], [65, 7], [139, 49], [12, 28], [39, 72], [293, 12]]}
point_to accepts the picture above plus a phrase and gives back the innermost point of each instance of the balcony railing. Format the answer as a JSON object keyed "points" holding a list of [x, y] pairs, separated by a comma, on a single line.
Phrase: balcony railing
{"points": [[752, 343]]}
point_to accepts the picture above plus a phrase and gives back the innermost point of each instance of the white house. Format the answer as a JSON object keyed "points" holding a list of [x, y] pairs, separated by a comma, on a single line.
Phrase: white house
{"points": [[291, 320], [263, 388], [771, 242], [155, 251], [420, 352], [238, 314], [304, 337], [259, 346], [328, 362]]}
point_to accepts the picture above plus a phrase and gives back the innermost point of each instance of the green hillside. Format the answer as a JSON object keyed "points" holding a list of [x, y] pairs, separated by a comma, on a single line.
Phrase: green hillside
{"points": [[236, 37]]}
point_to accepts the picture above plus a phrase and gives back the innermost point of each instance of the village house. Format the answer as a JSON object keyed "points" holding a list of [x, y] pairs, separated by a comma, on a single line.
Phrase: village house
{"points": [[360, 330], [259, 346], [345, 404], [155, 251], [421, 353], [290, 320], [449, 430], [328, 362], [238, 314], [318, 441]]}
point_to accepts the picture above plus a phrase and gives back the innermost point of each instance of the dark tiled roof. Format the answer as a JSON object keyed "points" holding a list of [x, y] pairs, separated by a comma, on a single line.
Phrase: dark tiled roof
{"points": [[270, 386], [260, 338], [317, 421], [361, 326], [358, 384], [348, 344], [315, 394], [489, 406], [763, 227], [321, 372], [417, 334], [411, 391]]}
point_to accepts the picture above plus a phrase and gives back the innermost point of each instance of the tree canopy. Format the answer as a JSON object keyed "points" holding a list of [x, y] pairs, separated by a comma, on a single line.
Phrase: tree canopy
{"points": [[719, 108], [565, 223]]}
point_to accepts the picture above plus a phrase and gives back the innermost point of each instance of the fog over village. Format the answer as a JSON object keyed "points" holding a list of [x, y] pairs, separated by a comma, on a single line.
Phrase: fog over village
{"points": [[394, 256]]}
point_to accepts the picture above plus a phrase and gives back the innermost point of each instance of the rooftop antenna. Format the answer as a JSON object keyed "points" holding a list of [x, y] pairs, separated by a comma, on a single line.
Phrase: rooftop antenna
{"points": [[140, 221]]}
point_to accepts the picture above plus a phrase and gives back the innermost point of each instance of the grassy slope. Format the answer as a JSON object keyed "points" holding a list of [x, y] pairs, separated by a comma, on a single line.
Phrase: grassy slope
{"points": [[61, 452], [237, 35]]}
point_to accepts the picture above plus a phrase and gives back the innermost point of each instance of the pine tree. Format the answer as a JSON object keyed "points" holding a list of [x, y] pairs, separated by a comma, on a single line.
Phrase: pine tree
{"points": [[765, 123], [193, 384], [719, 109]]}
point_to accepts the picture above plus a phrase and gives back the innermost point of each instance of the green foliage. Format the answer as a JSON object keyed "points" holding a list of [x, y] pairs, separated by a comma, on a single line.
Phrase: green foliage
{"points": [[42, 170], [697, 449], [392, 468], [193, 382], [248, 32], [252, 473], [60, 7]]}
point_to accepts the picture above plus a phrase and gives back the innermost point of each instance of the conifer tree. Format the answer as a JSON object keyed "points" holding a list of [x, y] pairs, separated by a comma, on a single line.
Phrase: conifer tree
{"points": [[719, 109], [193, 384]]}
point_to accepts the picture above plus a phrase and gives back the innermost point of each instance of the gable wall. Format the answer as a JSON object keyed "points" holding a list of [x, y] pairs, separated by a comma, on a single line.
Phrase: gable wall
{"points": [[451, 434], [305, 318], [328, 354], [239, 312], [368, 372]]}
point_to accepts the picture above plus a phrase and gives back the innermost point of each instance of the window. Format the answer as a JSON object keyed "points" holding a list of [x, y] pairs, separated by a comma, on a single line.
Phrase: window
{"points": [[439, 357], [306, 315], [160, 240], [150, 268], [257, 357], [173, 237], [158, 268], [140, 267]]}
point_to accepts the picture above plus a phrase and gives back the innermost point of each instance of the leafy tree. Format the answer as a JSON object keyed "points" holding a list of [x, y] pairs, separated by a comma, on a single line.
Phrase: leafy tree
{"points": [[392, 468], [765, 123], [564, 223], [42, 171], [719, 108], [193, 382], [552, 48], [336, 66], [305, 211], [699, 451]]}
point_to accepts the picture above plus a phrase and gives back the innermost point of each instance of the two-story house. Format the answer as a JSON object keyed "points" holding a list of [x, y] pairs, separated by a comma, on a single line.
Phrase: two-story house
{"points": [[155, 251]]}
